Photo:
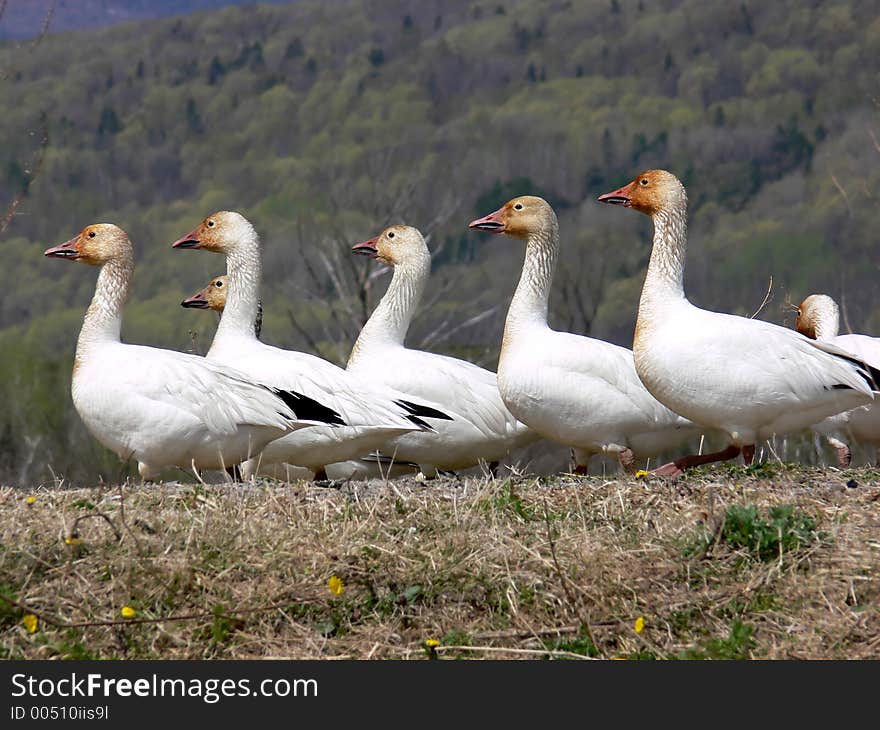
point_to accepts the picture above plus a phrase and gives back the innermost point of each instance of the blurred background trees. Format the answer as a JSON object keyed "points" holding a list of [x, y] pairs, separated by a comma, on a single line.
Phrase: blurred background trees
{"points": [[324, 122]]}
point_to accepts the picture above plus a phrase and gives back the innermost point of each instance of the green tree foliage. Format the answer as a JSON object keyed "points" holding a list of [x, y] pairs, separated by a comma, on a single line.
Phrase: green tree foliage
{"points": [[324, 122]]}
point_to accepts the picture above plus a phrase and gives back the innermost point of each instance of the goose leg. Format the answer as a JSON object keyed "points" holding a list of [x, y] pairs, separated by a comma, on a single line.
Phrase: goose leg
{"points": [[748, 453], [320, 479], [234, 473], [844, 454], [676, 468], [627, 460], [877, 455], [493, 467], [581, 460]]}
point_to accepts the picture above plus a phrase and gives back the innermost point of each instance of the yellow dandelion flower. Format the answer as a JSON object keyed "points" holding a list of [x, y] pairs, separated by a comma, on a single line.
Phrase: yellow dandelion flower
{"points": [[335, 585], [72, 540], [640, 624], [30, 500], [128, 612], [31, 623], [432, 643], [641, 474], [619, 658]]}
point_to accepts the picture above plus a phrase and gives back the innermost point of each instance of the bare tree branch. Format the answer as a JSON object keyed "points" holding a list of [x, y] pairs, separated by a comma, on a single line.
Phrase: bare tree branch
{"points": [[35, 171], [843, 193], [47, 20], [765, 300]]}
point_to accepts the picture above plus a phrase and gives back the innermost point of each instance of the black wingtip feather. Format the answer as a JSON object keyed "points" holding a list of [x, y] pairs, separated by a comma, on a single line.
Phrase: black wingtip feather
{"points": [[873, 377], [379, 458], [423, 411], [308, 409], [866, 371], [424, 425]]}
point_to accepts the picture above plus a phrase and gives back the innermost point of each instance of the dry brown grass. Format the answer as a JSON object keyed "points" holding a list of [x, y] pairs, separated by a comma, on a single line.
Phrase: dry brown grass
{"points": [[518, 568]]}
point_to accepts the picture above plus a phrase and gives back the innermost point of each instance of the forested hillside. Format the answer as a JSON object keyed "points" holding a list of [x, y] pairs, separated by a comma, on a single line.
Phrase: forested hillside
{"points": [[30, 18], [323, 122]]}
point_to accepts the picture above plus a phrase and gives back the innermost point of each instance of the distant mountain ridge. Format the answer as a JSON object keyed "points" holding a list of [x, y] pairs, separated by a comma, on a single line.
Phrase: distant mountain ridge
{"points": [[26, 18]]}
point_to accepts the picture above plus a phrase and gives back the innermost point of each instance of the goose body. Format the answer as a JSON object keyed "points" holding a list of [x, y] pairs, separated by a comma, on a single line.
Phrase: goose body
{"points": [[753, 379], [372, 415], [213, 297], [576, 390], [818, 318], [160, 407], [603, 410], [747, 378], [482, 428]]}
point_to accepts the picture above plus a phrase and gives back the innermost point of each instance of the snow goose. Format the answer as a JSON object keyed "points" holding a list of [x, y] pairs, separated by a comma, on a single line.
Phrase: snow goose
{"points": [[747, 378], [579, 391], [213, 298], [819, 319], [482, 428], [160, 407], [372, 415]]}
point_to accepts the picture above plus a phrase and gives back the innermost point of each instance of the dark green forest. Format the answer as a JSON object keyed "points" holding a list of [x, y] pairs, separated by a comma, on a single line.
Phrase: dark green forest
{"points": [[324, 122]]}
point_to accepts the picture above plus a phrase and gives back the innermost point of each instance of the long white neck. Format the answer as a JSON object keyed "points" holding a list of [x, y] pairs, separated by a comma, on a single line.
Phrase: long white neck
{"points": [[103, 320], [826, 318], [664, 281], [530, 300], [244, 271], [827, 328], [390, 320]]}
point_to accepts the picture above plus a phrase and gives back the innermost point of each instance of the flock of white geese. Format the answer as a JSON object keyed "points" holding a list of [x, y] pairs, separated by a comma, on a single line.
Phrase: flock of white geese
{"points": [[251, 408]]}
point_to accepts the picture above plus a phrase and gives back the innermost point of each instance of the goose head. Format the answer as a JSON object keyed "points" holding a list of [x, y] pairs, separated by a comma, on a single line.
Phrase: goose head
{"points": [[95, 245], [219, 233], [818, 317], [212, 297], [652, 192], [395, 246], [519, 217]]}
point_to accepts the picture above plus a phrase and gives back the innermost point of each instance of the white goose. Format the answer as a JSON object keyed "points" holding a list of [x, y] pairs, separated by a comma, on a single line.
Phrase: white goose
{"points": [[579, 391], [482, 428], [371, 415], [747, 378], [213, 297], [160, 407], [819, 319]]}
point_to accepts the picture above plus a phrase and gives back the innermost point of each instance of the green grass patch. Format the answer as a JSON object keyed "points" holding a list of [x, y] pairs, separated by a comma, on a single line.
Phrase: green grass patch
{"points": [[508, 500], [765, 537], [737, 645], [9, 614], [581, 644]]}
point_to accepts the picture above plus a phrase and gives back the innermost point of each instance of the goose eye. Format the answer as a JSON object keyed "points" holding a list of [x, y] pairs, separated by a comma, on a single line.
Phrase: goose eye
{"points": [[219, 284], [91, 234], [643, 181], [210, 224], [390, 234], [518, 206]]}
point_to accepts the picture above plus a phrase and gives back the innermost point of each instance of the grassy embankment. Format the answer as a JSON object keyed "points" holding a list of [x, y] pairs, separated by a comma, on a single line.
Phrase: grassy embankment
{"points": [[773, 562]]}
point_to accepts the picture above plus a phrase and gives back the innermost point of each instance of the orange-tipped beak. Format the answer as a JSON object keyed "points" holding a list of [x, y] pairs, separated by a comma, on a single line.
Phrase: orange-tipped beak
{"points": [[621, 196], [199, 300], [367, 248], [190, 240], [66, 250], [491, 223]]}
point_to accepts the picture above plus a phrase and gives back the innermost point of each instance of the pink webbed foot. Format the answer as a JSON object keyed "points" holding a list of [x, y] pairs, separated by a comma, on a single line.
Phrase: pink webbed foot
{"points": [[668, 470]]}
